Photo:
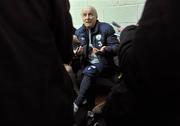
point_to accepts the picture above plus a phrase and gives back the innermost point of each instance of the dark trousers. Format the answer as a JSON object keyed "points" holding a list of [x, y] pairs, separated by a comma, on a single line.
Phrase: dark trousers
{"points": [[90, 73]]}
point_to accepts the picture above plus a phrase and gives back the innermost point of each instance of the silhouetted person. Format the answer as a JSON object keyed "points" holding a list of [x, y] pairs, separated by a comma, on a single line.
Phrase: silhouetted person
{"points": [[118, 108], [151, 68], [35, 41]]}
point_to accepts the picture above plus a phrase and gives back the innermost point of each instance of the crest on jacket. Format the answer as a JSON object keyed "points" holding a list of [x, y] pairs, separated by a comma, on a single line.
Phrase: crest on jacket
{"points": [[98, 37]]}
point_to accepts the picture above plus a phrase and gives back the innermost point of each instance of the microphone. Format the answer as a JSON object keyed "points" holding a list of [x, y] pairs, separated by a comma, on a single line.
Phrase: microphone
{"points": [[116, 24]]}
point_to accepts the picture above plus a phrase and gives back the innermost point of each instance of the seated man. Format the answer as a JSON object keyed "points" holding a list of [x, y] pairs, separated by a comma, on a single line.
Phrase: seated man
{"points": [[99, 45]]}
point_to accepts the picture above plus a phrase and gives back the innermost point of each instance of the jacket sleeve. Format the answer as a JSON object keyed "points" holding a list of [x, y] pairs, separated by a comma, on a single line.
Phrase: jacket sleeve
{"points": [[126, 45], [84, 43], [62, 27], [112, 42]]}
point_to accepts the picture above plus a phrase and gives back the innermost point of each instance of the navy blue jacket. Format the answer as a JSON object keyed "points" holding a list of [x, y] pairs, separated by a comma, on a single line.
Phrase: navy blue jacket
{"points": [[101, 35]]}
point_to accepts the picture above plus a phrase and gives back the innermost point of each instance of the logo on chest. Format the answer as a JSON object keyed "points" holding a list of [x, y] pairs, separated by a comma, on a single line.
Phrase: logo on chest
{"points": [[82, 38], [98, 39]]}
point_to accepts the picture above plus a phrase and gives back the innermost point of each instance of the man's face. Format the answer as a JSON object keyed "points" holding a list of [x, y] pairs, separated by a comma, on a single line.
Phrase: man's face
{"points": [[89, 17]]}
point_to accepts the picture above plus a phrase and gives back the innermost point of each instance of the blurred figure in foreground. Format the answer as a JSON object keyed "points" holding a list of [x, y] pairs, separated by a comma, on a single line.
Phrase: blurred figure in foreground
{"points": [[35, 40], [151, 69]]}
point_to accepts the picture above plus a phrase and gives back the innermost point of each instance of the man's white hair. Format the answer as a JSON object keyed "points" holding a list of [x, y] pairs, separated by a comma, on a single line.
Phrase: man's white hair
{"points": [[92, 8]]}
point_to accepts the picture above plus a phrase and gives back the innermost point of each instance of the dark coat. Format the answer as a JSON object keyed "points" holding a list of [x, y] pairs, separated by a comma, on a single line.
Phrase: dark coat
{"points": [[121, 100], [156, 51], [35, 41], [151, 70]]}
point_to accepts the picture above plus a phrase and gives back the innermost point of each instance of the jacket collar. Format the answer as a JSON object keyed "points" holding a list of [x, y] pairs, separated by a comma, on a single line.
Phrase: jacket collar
{"points": [[94, 30]]}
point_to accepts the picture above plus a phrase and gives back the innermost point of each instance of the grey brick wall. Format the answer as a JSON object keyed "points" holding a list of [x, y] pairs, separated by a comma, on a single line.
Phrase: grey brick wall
{"points": [[123, 12]]}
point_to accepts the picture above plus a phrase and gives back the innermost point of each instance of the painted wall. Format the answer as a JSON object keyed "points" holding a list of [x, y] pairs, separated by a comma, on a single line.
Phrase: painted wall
{"points": [[124, 12]]}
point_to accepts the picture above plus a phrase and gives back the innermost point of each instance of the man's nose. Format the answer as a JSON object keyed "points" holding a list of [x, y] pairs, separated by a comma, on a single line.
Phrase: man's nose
{"points": [[87, 17]]}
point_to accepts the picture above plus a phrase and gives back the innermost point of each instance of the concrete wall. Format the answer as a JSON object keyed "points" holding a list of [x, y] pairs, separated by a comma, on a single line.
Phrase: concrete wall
{"points": [[123, 12]]}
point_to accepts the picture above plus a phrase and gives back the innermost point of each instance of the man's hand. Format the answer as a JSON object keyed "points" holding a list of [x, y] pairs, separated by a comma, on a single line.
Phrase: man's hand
{"points": [[75, 40], [94, 50], [100, 51], [79, 50], [103, 49]]}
